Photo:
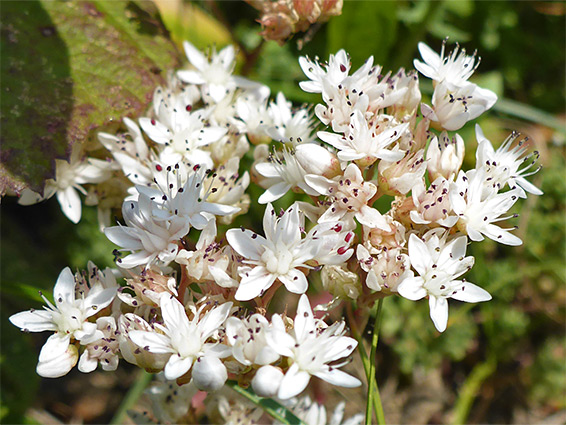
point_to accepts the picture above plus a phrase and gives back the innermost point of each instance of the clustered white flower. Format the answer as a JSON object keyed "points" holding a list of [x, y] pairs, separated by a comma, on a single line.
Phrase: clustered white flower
{"points": [[177, 169]]}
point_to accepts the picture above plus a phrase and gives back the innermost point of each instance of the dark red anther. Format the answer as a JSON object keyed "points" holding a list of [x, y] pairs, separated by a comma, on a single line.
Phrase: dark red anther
{"points": [[342, 250], [337, 228], [152, 121], [342, 67], [189, 108], [348, 237], [158, 167]]}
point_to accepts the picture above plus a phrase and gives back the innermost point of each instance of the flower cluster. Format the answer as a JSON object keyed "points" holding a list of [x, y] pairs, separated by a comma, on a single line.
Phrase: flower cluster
{"points": [[178, 171]]}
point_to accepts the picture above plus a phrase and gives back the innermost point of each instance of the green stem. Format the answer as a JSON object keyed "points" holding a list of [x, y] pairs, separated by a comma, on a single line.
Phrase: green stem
{"points": [[373, 390], [274, 409], [363, 355], [470, 389], [135, 391]]}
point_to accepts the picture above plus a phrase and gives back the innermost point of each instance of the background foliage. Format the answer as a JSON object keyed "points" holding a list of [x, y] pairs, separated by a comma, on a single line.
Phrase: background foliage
{"points": [[498, 362]]}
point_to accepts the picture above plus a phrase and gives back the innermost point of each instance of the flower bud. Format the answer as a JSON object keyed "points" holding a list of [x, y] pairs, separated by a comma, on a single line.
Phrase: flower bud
{"points": [[398, 178], [444, 156], [131, 352], [318, 160], [209, 374], [266, 381], [341, 282]]}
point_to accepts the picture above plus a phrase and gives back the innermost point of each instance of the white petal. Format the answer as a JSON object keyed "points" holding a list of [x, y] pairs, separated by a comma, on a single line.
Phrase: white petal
{"points": [[293, 383], [274, 192], [156, 343], [257, 281], [64, 290], [70, 203], [98, 301], [57, 357], [372, 218], [174, 315], [213, 320], [280, 341], [471, 293], [339, 378], [438, 312], [192, 77], [33, 321], [177, 366], [194, 56], [295, 281], [419, 255], [86, 363], [412, 288], [246, 243], [304, 320]]}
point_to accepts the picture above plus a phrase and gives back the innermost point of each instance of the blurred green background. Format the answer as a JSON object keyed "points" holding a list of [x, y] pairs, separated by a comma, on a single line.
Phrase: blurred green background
{"points": [[498, 362]]}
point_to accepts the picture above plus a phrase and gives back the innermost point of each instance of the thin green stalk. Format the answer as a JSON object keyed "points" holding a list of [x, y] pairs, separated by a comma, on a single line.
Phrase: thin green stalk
{"points": [[470, 389], [362, 350], [271, 407], [135, 391], [373, 390]]}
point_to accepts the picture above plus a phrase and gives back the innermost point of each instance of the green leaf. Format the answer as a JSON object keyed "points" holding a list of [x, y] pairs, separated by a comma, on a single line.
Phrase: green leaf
{"points": [[69, 68], [364, 29]]}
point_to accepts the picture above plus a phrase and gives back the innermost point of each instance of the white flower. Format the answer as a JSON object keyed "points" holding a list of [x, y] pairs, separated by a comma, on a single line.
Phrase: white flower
{"points": [[247, 338], [432, 205], [104, 350], [130, 151], [503, 165], [348, 196], [313, 413], [282, 172], [454, 105], [183, 137], [439, 264], [314, 351], [148, 239], [363, 142], [215, 75], [280, 254], [185, 339], [67, 183], [131, 352], [177, 199], [479, 206], [286, 126], [398, 178], [68, 318], [386, 268], [455, 68], [170, 401], [333, 73]]}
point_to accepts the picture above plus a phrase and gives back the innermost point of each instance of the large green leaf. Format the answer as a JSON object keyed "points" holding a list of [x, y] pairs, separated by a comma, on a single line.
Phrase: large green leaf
{"points": [[69, 68]]}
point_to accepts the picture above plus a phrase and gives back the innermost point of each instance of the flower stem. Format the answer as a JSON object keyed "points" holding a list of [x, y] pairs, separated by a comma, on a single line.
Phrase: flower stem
{"points": [[471, 388], [142, 381], [373, 397], [271, 407]]}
